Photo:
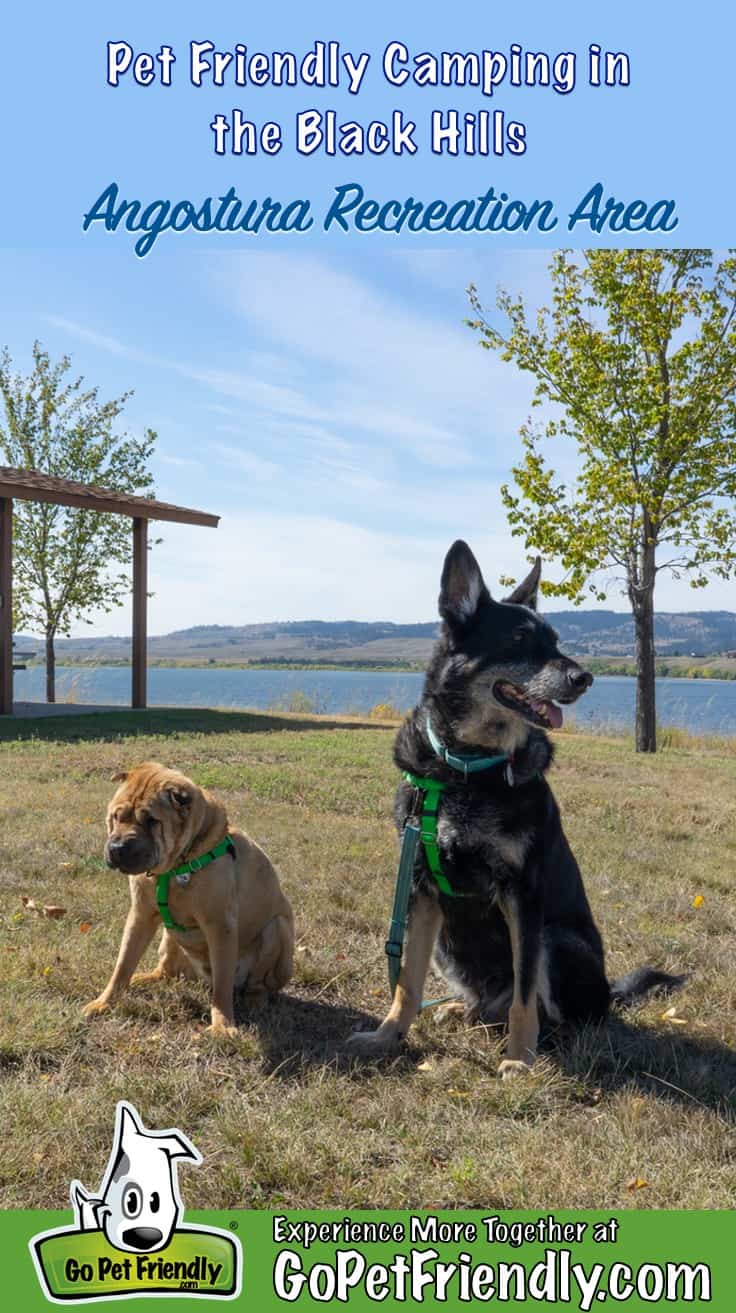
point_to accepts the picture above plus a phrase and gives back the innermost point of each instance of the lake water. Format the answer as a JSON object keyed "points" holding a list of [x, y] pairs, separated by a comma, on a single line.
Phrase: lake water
{"points": [[698, 705]]}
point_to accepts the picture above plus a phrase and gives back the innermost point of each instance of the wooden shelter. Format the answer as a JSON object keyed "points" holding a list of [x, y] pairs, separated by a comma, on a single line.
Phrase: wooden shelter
{"points": [[32, 485]]}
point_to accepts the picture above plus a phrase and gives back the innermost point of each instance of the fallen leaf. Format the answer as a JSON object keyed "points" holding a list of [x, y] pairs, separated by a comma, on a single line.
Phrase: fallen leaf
{"points": [[698, 900], [459, 1094], [671, 1016], [636, 1183], [85, 927], [46, 971], [44, 909], [425, 1066]]}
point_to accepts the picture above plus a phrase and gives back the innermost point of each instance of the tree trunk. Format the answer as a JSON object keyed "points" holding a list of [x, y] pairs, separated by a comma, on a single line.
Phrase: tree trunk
{"points": [[646, 713], [50, 666], [641, 594]]}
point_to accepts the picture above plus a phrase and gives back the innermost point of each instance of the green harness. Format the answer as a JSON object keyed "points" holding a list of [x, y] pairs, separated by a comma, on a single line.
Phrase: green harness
{"points": [[181, 874], [422, 829]]}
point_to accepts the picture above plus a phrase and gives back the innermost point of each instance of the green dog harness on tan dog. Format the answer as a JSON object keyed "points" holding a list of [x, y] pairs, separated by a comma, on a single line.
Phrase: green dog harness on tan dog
{"points": [[182, 873]]}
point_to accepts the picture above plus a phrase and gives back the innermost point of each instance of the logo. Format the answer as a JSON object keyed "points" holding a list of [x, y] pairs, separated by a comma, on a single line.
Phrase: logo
{"points": [[128, 1239]]}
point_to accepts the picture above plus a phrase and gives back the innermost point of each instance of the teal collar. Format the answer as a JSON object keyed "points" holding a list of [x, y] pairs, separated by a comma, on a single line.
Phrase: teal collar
{"points": [[182, 874], [470, 763]]}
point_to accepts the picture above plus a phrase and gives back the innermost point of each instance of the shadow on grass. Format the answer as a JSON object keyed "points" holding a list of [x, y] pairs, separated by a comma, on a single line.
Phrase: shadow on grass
{"points": [[676, 1067], [111, 726], [296, 1033]]}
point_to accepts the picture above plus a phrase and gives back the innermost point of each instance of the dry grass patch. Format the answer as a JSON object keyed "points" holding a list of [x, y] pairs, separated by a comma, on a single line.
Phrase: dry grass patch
{"points": [[281, 1116]]}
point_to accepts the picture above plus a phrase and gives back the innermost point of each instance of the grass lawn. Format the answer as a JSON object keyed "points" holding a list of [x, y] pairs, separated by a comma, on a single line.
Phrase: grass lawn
{"points": [[639, 1112]]}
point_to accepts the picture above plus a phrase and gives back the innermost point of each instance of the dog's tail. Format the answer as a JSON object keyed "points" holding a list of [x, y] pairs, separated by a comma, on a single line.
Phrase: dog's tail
{"points": [[640, 982]]}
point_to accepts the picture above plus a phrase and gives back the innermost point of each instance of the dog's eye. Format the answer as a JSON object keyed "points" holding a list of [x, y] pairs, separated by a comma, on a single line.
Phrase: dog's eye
{"points": [[154, 1202], [132, 1201], [520, 635]]}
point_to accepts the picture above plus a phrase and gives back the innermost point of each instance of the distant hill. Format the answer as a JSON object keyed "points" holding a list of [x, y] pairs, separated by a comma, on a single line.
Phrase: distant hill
{"points": [[585, 633]]}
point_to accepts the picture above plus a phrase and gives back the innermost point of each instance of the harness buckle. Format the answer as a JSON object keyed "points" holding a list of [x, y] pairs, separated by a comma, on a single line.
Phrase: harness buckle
{"points": [[183, 879]]}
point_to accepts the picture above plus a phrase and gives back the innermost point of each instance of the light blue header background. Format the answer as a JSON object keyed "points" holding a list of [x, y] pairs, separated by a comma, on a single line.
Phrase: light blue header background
{"points": [[66, 135]]}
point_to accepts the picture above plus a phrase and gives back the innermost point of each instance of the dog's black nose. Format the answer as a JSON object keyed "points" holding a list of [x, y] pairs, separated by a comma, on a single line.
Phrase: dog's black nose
{"points": [[580, 679], [114, 850], [143, 1237]]}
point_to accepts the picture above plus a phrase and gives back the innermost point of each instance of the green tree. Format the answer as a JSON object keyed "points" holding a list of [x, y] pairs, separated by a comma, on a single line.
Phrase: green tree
{"points": [[636, 358], [65, 560]]}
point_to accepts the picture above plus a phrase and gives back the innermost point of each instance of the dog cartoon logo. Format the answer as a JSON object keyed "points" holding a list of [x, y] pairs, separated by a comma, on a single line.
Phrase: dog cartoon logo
{"points": [[129, 1239], [138, 1205]]}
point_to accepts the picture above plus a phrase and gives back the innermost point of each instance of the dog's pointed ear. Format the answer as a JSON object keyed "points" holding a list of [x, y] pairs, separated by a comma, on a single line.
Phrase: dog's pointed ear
{"points": [[462, 590], [129, 1124], [179, 797], [119, 776], [526, 593], [79, 1197], [178, 1146]]}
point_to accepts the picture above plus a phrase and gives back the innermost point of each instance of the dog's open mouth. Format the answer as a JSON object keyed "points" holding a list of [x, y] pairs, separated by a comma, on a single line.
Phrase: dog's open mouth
{"points": [[546, 714]]}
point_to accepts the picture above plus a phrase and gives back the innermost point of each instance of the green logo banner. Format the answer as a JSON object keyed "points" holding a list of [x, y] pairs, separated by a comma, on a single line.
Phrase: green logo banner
{"points": [[362, 1261]]}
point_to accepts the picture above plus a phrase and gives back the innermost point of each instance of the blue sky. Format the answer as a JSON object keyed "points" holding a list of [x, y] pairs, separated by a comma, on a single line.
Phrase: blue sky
{"points": [[334, 410], [321, 393]]}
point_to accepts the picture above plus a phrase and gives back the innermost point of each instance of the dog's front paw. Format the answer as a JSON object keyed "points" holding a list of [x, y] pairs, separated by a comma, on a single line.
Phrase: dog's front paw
{"points": [[222, 1030], [146, 977], [373, 1043], [510, 1068], [96, 1007]]}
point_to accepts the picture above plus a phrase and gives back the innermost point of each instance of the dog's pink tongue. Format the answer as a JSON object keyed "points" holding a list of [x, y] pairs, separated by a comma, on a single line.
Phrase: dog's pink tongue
{"points": [[553, 714]]}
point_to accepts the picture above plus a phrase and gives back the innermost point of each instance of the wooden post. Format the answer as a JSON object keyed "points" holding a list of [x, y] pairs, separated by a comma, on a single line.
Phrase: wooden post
{"points": [[6, 606], [140, 608]]}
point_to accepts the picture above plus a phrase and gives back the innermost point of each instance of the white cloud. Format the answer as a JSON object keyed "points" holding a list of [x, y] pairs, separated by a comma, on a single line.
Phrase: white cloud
{"points": [[99, 340], [392, 367], [247, 461], [265, 566]]}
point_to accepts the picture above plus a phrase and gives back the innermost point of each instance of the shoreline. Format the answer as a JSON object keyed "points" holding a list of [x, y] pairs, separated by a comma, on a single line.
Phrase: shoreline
{"points": [[609, 669]]}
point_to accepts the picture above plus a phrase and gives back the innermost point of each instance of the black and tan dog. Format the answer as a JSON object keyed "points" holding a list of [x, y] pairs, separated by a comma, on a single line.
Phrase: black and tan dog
{"points": [[515, 937], [232, 924]]}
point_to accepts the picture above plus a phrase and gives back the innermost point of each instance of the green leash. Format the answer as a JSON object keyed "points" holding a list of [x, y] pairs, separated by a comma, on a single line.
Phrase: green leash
{"points": [[181, 874], [424, 829], [417, 830]]}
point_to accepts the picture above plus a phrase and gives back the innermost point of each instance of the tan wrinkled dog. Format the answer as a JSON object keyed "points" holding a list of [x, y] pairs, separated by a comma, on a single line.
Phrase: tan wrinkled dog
{"points": [[239, 925]]}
